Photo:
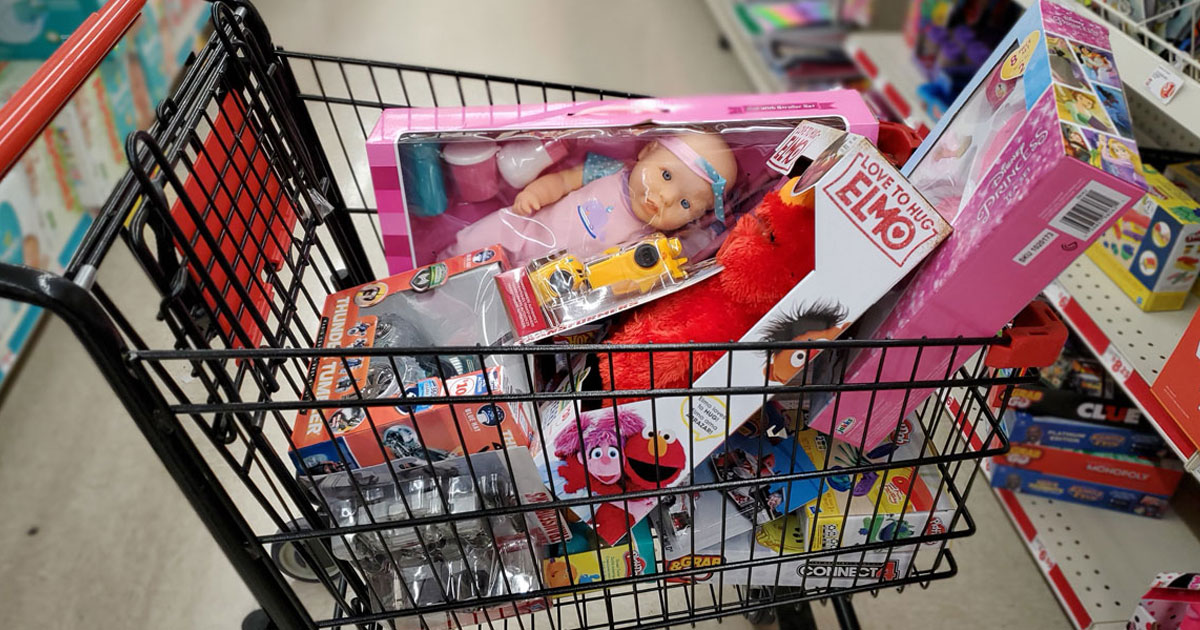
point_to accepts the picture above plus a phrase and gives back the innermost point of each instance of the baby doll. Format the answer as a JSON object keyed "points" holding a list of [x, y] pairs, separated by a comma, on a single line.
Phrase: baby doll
{"points": [[603, 203]]}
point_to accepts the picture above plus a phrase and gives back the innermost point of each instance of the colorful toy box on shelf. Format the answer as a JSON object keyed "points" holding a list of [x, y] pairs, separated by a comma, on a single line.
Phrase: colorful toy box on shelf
{"points": [[1076, 387], [1186, 175], [1071, 434], [882, 229], [1171, 603], [1176, 386], [1012, 167], [1124, 483], [413, 309], [582, 177], [1153, 251]]}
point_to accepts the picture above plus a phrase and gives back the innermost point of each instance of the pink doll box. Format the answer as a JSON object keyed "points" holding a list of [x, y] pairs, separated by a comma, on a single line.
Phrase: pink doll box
{"points": [[1028, 177], [420, 186], [871, 229]]}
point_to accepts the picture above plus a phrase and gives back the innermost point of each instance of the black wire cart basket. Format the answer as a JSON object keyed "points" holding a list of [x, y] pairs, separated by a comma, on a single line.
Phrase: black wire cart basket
{"points": [[246, 204]]}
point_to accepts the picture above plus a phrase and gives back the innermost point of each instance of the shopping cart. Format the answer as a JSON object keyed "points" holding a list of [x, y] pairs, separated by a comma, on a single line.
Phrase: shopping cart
{"points": [[246, 203]]}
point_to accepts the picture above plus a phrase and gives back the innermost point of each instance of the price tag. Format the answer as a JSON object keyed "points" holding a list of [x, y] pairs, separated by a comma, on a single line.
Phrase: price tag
{"points": [[1057, 294], [1116, 363], [1163, 83], [1041, 555]]}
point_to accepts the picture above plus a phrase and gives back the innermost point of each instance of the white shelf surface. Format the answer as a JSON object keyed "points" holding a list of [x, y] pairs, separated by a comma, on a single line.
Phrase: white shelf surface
{"points": [[761, 75], [1099, 562], [888, 63], [1132, 344]]}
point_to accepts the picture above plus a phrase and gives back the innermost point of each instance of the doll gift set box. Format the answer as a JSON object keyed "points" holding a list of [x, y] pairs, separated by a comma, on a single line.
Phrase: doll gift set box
{"points": [[1153, 251], [581, 177], [1086, 436], [870, 228], [1125, 483], [448, 303], [1171, 603], [1032, 163]]}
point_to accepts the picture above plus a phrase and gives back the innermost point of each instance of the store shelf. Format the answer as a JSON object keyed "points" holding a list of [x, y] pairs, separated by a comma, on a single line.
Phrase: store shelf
{"points": [[761, 74], [1132, 344], [886, 61], [1098, 562]]}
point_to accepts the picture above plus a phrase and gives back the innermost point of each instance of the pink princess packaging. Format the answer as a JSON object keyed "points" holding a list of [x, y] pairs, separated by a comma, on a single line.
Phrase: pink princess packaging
{"points": [[583, 177]]}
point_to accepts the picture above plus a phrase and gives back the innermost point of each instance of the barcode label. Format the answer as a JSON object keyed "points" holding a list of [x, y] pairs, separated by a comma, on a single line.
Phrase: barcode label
{"points": [[1089, 210]]}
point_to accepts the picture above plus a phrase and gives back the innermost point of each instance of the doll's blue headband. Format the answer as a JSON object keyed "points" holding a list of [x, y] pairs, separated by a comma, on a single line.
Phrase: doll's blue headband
{"points": [[701, 167]]}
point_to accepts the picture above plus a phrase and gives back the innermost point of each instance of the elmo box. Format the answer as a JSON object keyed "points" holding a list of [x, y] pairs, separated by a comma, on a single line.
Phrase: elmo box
{"points": [[448, 303], [1034, 160], [1123, 483], [871, 228]]}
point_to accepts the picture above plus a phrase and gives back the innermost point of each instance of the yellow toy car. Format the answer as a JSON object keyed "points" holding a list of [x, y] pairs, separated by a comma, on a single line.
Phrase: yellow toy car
{"points": [[557, 278], [638, 267]]}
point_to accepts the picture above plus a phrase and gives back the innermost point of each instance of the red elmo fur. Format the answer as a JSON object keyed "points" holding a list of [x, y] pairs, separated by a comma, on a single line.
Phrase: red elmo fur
{"points": [[767, 253]]}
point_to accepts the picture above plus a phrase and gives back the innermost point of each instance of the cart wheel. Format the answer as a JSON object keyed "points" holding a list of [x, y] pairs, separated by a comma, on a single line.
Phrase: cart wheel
{"points": [[797, 616], [762, 616], [258, 620], [288, 558]]}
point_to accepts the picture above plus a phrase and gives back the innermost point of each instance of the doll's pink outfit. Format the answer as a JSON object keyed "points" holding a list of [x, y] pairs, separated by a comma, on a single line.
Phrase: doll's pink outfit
{"points": [[586, 222]]}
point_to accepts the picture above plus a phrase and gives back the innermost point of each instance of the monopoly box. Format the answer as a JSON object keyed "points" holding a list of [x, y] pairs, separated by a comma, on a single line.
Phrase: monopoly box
{"points": [[1033, 161], [1123, 483], [871, 229], [447, 303], [1087, 436], [1153, 251]]}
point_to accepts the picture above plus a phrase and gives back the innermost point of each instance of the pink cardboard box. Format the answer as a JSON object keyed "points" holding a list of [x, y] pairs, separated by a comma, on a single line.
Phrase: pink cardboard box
{"points": [[426, 194], [1032, 162]]}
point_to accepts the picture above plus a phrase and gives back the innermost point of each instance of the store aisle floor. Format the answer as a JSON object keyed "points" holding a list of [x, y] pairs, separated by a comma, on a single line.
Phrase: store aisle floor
{"points": [[94, 534]]}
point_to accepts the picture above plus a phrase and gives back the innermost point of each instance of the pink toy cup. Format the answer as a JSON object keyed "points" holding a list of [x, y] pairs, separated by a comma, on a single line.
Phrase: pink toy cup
{"points": [[472, 167]]}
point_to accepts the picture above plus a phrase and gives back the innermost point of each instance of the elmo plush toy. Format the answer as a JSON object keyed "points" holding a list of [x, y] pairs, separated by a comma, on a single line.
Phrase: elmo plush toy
{"points": [[767, 252]]}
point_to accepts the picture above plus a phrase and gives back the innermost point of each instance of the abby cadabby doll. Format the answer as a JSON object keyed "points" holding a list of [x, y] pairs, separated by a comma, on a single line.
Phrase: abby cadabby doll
{"points": [[603, 202]]}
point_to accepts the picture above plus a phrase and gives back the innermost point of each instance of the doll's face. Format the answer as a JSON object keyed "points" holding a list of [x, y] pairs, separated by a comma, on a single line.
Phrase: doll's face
{"points": [[1118, 150], [666, 194], [786, 364], [1084, 102], [1077, 139], [603, 463]]}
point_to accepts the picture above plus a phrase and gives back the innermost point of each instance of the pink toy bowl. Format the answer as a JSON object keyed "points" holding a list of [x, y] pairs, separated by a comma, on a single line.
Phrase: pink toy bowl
{"points": [[472, 168]]}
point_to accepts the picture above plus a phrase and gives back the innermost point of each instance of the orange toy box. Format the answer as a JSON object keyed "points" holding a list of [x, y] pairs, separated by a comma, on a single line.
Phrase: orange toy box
{"points": [[448, 303], [1178, 387]]}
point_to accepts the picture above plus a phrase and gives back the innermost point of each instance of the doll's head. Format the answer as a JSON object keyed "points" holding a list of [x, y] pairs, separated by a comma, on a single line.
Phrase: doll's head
{"points": [[1117, 151], [1083, 102], [677, 179]]}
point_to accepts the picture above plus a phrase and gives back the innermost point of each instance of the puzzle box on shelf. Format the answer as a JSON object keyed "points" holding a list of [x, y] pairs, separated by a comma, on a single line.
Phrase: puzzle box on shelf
{"points": [[871, 229], [1032, 162]]}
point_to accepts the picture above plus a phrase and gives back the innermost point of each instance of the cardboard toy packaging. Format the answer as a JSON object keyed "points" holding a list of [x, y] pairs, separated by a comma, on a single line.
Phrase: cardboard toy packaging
{"points": [[871, 228], [1186, 175], [783, 537], [583, 561], [1177, 389], [447, 303], [1153, 251], [892, 504], [1171, 603], [1124, 483], [1033, 161], [1087, 436], [439, 172]]}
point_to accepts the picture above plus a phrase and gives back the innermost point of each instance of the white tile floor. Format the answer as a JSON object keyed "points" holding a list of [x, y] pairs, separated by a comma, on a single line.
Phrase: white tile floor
{"points": [[93, 534]]}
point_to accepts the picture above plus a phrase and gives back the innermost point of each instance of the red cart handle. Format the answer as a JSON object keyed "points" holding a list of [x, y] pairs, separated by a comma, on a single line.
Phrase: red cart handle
{"points": [[33, 106], [1035, 339]]}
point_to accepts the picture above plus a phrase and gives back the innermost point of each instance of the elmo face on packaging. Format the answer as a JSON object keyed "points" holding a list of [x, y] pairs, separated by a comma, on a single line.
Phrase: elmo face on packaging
{"points": [[870, 229]]}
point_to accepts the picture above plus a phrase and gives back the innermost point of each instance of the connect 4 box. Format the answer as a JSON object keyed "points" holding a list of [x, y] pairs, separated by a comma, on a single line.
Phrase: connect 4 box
{"points": [[1153, 251], [1032, 162], [1118, 482]]}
